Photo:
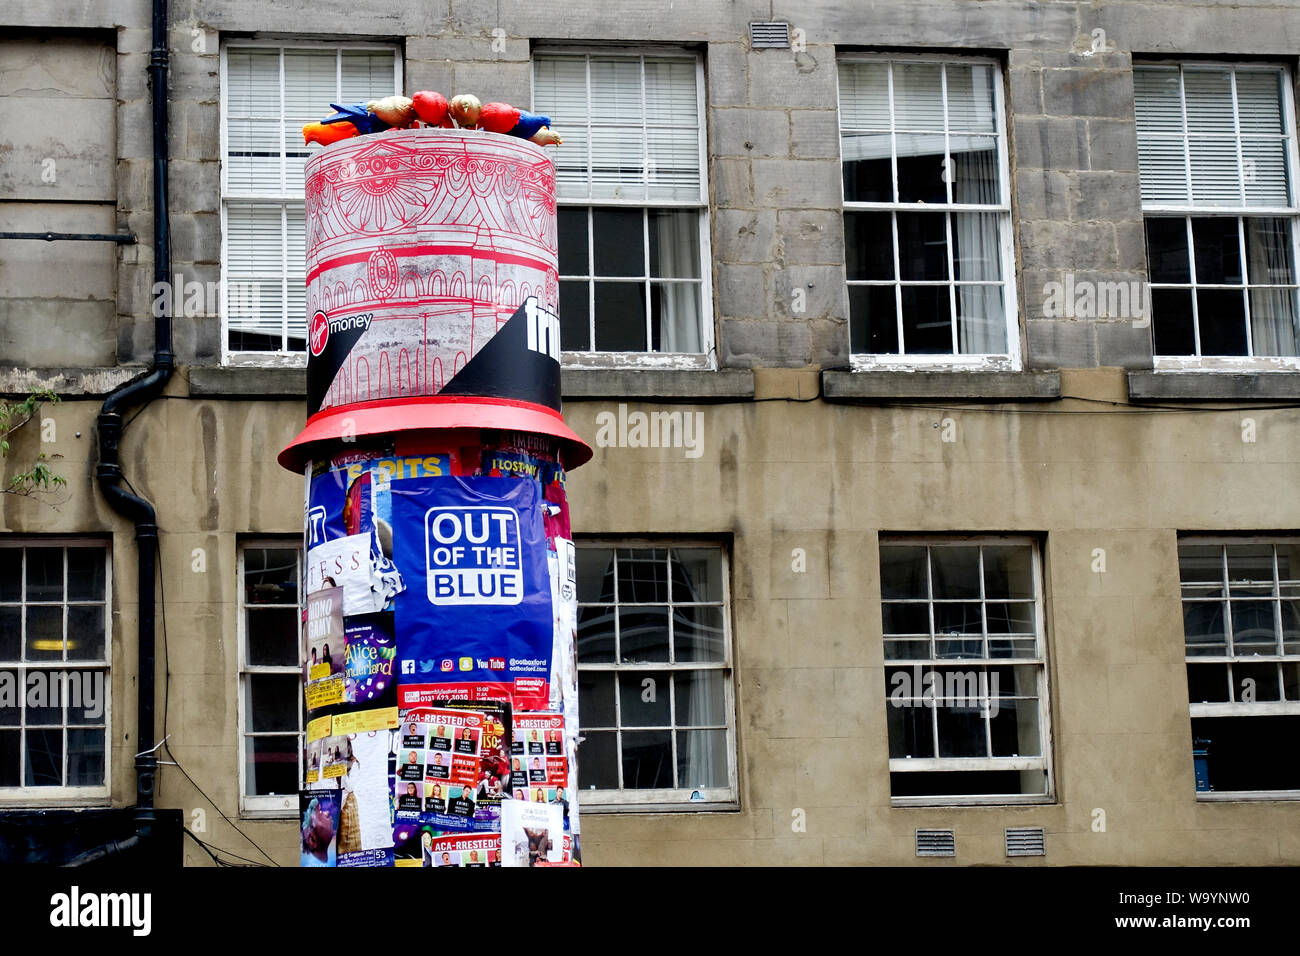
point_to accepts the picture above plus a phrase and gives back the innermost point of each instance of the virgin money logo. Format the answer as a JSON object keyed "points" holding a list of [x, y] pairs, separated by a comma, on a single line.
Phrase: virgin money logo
{"points": [[320, 333]]}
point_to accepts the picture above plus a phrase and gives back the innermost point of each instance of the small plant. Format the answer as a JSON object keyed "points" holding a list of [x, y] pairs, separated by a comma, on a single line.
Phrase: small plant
{"points": [[13, 416]]}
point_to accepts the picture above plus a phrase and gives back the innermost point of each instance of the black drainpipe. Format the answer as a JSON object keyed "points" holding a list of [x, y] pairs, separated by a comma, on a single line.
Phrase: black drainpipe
{"points": [[108, 473]]}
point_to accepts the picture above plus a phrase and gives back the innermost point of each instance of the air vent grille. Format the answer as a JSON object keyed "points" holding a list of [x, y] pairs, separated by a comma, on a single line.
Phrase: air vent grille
{"points": [[1026, 841], [936, 843], [774, 36]]}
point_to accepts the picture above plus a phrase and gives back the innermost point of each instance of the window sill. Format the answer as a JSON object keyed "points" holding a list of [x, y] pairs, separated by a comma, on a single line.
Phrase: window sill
{"points": [[29, 800], [1203, 385], [1001, 800], [687, 807], [661, 384], [233, 381], [881, 385], [66, 382], [1247, 796]]}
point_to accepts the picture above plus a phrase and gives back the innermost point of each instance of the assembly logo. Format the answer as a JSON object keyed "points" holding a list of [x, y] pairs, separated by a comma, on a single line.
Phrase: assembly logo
{"points": [[322, 327]]}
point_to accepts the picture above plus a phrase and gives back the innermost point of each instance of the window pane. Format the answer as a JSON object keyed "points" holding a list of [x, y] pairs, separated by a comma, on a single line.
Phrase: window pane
{"points": [[977, 253], [974, 169], [642, 634], [596, 699], [1243, 752], [906, 618], [700, 699], [911, 729], [698, 634], [643, 698], [1207, 683], [903, 572], [1250, 570], [1254, 630], [1256, 682], [44, 688], [1167, 250], [1173, 329], [954, 618], [86, 633], [11, 705], [956, 572], [273, 636], [1222, 320], [595, 574], [598, 757], [596, 634], [10, 633], [85, 574], [970, 98], [1011, 617], [44, 633], [273, 702], [86, 757], [697, 574], [869, 245], [927, 320], [1200, 564], [271, 765], [619, 240], [675, 317], [921, 168], [868, 171], [271, 576], [873, 319], [1264, 162], [11, 574], [1203, 627], [1216, 173], [620, 317], [1008, 571], [1218, 252], [1013, 725], [575, 317], [571, 231], [918, 96], [702, 758], [86, 695], [864, 95], [674, 243], [647, 760], [44, 765], [642, 576], [961, 731], [10, 758], [45, 574]]}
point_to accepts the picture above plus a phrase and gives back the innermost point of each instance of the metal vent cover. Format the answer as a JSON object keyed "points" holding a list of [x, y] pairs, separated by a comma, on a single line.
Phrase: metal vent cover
{"points": [[936, 843], [1026, 841], [769, 35]]}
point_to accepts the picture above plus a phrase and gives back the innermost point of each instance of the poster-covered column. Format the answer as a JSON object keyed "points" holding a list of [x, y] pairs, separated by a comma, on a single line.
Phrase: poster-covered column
{"points": [[439, 624]]}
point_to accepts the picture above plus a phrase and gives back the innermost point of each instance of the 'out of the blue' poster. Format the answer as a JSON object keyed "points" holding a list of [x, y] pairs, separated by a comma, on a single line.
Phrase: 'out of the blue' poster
{"points": [[477, 604]]}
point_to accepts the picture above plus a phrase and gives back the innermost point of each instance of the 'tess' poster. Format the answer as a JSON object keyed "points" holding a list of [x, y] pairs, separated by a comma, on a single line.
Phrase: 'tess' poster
{"points": [[475, 620]]}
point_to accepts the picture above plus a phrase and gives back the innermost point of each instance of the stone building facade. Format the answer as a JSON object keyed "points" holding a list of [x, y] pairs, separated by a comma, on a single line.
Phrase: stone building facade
{"points": [[1075, 490]]}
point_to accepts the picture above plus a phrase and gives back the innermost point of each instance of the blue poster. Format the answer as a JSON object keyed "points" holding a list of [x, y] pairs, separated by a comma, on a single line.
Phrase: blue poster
{"points": [[476, 612]]}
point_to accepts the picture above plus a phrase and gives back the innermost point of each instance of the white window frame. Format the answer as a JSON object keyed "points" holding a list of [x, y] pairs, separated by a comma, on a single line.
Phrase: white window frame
{"points": [[255, 806], [707, 358], [1240, 708], [1187, 211], [281, 358], [1007, 361], [670, 800], [69, 796], [959, 764]]}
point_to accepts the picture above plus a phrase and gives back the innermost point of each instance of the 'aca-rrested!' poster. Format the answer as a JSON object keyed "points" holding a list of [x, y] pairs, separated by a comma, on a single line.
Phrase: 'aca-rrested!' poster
{"points": [[475, 620]]}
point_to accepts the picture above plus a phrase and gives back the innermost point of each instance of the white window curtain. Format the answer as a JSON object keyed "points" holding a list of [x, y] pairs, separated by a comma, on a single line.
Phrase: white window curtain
{"points": [[1273, 312], [678, 245]]}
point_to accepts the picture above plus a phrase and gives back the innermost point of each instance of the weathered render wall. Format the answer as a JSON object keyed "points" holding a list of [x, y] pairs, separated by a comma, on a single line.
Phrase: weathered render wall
{"points": [[777, 475]]}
